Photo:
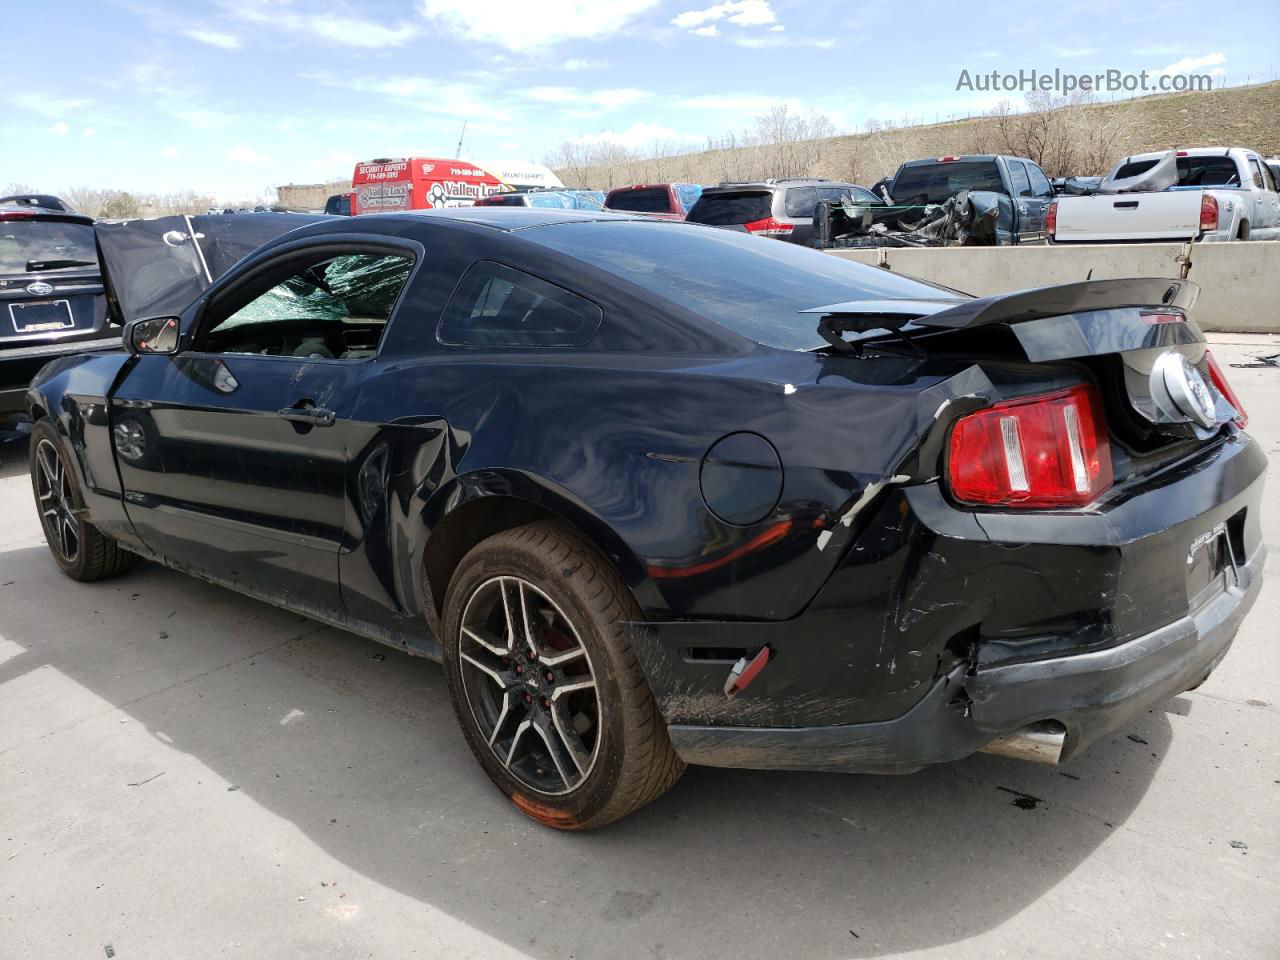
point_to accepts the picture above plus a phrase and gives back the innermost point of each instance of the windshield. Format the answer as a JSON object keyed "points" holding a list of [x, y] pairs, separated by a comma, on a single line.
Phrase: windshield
{"points": [[939, 182], [755, 286], [25, 240]]}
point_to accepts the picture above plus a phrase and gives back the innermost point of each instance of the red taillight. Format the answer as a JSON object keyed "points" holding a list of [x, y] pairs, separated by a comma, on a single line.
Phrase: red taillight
{"points": [[1049, 450], [1051, 219], [1220, 383], [1208, 212], [17, 214], [1181, 153], [769, 227], [948, 159]]}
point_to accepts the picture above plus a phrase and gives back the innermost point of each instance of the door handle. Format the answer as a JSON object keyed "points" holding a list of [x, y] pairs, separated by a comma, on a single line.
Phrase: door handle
{"points": [[315, 416]]}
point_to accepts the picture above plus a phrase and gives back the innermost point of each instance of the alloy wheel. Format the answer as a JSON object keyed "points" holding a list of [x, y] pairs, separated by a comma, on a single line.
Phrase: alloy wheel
{"points": [[57, 504], [530, 685]]}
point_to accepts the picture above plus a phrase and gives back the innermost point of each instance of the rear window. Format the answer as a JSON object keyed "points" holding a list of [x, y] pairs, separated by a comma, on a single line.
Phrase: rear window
{"points": [[939, 182], [504, 200], [496, 306], [24, 242], [726, 209], [754, 286], [647, 200], [1192, 171]]}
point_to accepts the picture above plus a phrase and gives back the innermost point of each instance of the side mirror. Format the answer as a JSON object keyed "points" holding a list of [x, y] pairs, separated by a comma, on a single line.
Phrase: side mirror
{"points": [[152, 335]]}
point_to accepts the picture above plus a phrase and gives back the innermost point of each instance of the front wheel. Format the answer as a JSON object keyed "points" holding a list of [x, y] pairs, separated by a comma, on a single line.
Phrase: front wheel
{"points": [[79, 548], [544, 682]]}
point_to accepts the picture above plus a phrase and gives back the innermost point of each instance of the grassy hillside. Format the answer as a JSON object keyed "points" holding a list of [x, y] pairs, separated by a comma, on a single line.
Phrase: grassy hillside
{"points": [[1093, 136]]}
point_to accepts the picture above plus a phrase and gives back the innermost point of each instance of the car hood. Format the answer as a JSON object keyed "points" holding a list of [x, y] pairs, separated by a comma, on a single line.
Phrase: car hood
{"points": [[157, 267]]}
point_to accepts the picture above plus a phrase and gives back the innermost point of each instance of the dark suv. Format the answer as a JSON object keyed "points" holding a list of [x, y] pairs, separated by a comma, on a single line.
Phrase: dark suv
{"points": [[51, 297], [774, 208]]}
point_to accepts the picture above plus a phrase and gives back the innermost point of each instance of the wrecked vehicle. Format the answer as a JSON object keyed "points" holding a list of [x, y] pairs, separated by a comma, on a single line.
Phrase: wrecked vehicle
{"points": [[979, 200], [785, 208], [1210, 194], [51, 302], [657, 494]]}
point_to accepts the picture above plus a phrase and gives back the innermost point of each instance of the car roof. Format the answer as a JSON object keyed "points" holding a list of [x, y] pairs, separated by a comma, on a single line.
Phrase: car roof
{"points": [[506, 218], [780, 184]]}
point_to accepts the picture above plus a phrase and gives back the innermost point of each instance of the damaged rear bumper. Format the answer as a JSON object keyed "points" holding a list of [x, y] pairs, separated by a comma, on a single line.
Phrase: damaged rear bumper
{"points": [[1091, 694]]}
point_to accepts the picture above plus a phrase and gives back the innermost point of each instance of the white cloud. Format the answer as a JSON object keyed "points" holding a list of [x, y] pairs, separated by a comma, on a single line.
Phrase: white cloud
{"points": [[777, 28], [214, 38], [1159, 50], [637, 135], [88, 131], [247, 155], [169, 153], [612, 99], [424, 94], [513, 24], [48, 106], [335, 25], [729, 103], [710, 30], [777, 40], [199, 118], [585, 64], [1077, 52], [742, 13], [1188, 64], [61, 127], [341, 158]]}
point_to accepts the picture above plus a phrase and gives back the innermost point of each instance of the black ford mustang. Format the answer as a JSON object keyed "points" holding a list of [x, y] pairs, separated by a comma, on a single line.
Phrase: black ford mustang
{"points": [[660, 494]]}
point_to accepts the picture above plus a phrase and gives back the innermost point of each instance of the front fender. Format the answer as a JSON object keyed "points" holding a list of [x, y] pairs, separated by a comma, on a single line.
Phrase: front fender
{"points": [[73, 392]]}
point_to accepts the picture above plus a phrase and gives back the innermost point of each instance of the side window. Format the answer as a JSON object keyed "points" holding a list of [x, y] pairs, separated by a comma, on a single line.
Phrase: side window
{"points": [[1018, 179], [800, 201], [1040, 186], [496, 306], [329, 307], [1259, 178]]}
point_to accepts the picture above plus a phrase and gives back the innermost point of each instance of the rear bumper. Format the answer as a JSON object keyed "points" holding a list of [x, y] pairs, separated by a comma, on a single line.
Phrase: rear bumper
{"points": [[1092, 694]]}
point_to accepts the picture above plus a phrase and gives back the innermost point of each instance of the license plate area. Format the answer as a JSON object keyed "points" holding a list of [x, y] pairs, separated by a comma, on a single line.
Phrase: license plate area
{"points": [[1213, 559], [41, 316]]}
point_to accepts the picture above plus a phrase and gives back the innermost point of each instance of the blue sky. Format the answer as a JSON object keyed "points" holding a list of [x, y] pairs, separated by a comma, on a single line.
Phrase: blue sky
{"points": [[233, 96]]}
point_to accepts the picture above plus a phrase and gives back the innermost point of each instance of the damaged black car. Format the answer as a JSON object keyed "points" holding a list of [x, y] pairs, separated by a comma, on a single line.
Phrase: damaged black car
{"points": [[658, 494]]}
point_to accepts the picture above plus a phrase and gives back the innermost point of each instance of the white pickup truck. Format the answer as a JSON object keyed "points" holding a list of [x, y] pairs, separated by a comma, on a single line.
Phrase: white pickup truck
{"points": [[1206, 194]]}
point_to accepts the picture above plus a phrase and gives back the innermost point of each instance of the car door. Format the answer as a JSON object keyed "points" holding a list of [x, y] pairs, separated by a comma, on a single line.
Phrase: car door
{"points": [[1030, 226], [232, 452], [1266, 225], [1041, 197]]}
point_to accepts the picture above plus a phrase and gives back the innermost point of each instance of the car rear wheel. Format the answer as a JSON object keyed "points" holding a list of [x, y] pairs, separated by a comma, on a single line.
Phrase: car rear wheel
{"points": [[544, 682], [79, 548]]}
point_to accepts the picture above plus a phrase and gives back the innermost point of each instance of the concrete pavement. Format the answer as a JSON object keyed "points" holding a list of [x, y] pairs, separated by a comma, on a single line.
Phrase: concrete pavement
{"points": [[185, 772]]}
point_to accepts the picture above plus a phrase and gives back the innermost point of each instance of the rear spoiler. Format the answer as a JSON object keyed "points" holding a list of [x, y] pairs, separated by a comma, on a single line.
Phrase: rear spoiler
{"points": [[1091, 317]]}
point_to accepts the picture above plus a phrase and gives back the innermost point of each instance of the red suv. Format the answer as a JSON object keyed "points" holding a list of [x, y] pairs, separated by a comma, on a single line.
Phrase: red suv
{"points": [[663, 201]]}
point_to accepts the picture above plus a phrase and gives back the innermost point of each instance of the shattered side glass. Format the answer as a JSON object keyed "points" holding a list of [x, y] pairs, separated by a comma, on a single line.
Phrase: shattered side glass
{"points": [[352, 287]]}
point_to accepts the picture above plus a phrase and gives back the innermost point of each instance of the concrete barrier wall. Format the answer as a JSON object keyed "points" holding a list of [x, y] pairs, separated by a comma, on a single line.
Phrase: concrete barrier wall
{"points": [[1239, 282]]}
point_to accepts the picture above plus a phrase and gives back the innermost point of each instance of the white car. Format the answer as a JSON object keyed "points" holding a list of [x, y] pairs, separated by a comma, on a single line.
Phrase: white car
{"points": [[1206, 194]]}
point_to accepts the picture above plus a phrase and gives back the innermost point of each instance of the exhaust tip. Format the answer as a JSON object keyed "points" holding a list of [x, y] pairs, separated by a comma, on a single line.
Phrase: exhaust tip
{"points": [[1037, 742]]}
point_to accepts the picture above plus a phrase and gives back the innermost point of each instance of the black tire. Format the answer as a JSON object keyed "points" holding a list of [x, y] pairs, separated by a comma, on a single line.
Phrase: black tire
{"points": [[554, 574], [82, 551]]}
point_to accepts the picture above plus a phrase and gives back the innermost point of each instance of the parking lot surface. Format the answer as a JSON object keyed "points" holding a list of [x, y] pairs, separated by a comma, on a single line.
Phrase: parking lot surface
{"points": [[185, 772]]}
